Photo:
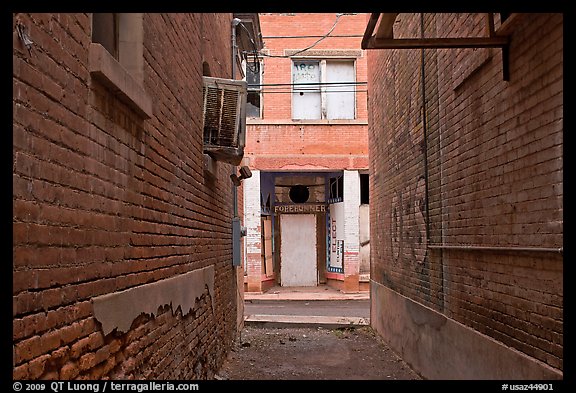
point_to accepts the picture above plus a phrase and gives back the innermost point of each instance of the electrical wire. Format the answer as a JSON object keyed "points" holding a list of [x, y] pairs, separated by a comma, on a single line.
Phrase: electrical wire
{"points": [[314, 44], [256, 62], [256, 68], [308, 91], [309, 87], [309, 84], [270, 37]]}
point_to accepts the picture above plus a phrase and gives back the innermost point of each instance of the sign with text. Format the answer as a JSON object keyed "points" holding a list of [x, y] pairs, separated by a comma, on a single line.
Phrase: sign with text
{"points": [[317, 208], [337, 235]]}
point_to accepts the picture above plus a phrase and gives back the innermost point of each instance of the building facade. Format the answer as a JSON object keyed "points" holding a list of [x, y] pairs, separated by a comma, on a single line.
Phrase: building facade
{"points": [[122, 224], [466, 205], [307, 201]]}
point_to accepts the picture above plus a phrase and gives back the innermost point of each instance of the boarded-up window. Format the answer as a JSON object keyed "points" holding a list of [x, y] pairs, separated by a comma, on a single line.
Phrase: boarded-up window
{"points": [[323, 89], [306, 99], [340, 78]]}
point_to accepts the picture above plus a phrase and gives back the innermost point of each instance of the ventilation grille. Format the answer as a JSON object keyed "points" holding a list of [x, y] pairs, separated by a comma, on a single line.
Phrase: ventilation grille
{"points": [[224, 114]]}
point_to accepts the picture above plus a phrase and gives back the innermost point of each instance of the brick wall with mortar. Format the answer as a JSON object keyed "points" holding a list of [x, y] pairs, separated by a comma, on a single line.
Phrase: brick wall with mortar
{"points": [[271, 147], [104, 201], [494, 178]]}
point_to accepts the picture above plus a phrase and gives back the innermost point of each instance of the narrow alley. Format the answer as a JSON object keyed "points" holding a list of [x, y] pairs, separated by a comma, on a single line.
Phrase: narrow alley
{"points": [[313, 353], [310, 333]]}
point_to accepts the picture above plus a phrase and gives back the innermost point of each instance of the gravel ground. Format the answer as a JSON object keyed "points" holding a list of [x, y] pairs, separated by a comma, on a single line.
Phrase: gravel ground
{"points": [[313, 354]]}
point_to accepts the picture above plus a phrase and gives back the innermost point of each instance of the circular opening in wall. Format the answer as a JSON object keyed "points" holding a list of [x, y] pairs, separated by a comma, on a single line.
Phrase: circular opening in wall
{"points": [[299, 194]]}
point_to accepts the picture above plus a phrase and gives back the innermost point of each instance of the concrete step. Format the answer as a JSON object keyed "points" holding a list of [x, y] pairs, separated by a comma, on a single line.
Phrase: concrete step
{"points": [[280, 321]]}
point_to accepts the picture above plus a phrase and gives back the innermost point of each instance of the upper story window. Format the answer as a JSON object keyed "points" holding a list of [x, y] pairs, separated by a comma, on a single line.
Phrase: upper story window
{"points": [[323, 89], [253, 72], [121, 34], [336, 190], [116, 58], [105, 31]]}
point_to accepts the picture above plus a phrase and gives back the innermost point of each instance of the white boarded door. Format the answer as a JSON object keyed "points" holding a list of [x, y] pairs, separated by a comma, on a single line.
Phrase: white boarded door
{"points": [[298, 250]]}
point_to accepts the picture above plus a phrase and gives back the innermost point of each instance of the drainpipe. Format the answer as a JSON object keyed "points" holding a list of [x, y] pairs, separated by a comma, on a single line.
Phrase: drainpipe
{"points": [[236, 228], [426, 170], [235, 23], [425, 127]]}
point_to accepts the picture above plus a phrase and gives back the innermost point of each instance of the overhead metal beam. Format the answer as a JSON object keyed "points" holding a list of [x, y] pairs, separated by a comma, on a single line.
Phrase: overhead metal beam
{"points": [[385, 27], [439, 43], [369, 29], [379, 34]]}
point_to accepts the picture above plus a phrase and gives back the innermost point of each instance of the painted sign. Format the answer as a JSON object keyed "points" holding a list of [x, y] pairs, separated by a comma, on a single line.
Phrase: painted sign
{"points": [[299, 208], [336, 236], [340, 253]]}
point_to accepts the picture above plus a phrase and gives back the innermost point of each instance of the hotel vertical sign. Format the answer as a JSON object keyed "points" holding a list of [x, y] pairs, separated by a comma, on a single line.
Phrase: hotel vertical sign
{"points": [[336, 237]]}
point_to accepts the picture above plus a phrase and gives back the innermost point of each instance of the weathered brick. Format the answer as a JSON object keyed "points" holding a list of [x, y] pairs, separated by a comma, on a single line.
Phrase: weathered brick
{"points": [[36, 366], [27, 349], [490, 167], [50, 375], [69, 371], [90, 174], [21, 372], [60, 355], [87, 361]]}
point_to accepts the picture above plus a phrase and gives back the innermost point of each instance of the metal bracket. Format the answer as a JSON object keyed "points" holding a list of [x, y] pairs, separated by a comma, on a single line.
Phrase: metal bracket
{"points": [[384, 39]]}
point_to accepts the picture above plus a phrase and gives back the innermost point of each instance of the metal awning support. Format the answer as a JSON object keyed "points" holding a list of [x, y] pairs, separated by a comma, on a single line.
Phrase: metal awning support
{"points": [[379, 34], [467, 247], [437, 43]]}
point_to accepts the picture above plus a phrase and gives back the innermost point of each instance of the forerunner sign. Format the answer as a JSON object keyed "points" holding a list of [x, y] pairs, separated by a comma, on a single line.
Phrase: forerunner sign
{"points": [[317, 208]]}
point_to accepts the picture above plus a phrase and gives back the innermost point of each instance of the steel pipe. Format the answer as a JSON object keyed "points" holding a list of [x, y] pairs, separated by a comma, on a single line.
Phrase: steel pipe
{"points": [[559, 250]]}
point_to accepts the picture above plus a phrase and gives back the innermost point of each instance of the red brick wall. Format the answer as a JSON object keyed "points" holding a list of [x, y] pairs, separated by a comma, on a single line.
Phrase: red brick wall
{"points": [[104, 201], [276, 141], [494, 156], [286, 145]]}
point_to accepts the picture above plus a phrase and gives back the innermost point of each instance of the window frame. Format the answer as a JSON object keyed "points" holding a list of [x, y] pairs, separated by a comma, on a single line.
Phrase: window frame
{"points": [[323, 66], [257, 90], [105, 35], [123, 75]]}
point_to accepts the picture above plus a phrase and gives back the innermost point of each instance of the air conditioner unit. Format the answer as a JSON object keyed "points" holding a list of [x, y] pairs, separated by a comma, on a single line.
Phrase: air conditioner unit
{"points": [[224, 119]]}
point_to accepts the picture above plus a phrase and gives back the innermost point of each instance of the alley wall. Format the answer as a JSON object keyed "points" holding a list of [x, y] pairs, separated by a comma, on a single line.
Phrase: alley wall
{"points": [[460, 157], [110, 196]]}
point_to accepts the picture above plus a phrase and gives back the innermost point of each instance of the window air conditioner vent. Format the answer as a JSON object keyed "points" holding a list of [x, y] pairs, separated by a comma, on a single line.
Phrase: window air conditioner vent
{"points": [[224, 118]]}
